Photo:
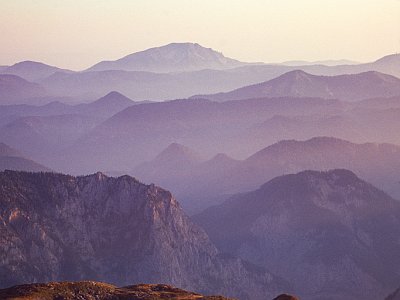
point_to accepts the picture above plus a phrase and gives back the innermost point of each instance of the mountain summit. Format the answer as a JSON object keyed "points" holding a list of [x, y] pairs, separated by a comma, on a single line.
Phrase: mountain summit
{"points": [[175, 57]]}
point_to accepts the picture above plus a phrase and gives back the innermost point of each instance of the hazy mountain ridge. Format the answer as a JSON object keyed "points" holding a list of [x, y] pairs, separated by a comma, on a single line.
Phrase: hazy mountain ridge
{"points": [[338, 229], [47, 129], [205, 71], [104, 107], [140, 132], [60, 227], [149, 85], [200, 185], [298, 83]]}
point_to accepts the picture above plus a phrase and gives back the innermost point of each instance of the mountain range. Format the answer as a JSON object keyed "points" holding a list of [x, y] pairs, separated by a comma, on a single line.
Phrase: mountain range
{"points": [[177, 70], [43, 130], [116, 134], [145, 85], [140, 132], [337, 229], [199, 184]]}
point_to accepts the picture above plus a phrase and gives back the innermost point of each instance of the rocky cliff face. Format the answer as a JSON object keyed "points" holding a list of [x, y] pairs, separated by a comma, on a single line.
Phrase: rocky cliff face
{"points": [[118, 230], [332, 235]]}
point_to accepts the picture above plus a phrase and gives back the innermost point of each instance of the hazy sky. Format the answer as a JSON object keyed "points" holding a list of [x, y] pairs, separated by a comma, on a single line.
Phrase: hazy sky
{"points": [[78, 33]]}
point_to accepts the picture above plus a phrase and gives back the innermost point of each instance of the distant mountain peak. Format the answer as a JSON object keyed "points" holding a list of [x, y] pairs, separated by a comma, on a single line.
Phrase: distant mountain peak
{"points": [[173, 57], [176, 151], [114, 94], [115, 98]]}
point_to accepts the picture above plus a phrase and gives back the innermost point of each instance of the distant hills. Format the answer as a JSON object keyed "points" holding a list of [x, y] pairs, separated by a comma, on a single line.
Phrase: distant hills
{"points": [[339, 230], [11, 159], [298, 83], [130, 133], [140, 132], [43, 130], [174, 57]]}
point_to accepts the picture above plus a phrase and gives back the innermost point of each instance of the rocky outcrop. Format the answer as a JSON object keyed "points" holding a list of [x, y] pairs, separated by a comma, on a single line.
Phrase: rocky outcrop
{"points": [[330, 234], [91, 290], [118, 230]]}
